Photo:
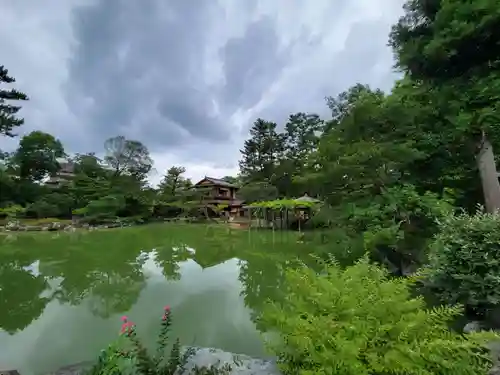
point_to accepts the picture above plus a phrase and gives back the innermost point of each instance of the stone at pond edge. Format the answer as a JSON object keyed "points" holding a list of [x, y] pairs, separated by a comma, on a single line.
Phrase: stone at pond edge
{"points": [[474, 326], [240, 364]]}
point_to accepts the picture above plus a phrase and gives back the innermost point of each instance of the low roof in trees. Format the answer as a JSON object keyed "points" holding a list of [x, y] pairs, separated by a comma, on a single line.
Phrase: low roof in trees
{"points": [[215, 182]]}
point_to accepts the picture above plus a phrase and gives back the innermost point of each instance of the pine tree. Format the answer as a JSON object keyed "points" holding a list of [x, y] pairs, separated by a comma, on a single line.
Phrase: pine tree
{"points": [[8, 112], [261, 152]]}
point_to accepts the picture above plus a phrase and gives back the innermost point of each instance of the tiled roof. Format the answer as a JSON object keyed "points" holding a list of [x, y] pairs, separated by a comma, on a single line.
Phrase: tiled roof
{"points": [[217, 181]]}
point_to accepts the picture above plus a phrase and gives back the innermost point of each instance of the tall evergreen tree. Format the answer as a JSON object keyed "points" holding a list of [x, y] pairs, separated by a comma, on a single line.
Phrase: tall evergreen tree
{"points": [[261, 153], [8, 112], [301, 138]]}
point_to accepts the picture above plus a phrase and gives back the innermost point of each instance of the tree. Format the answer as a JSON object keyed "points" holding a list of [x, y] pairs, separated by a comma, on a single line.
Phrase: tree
{"points": [[261, 153], [301, 138], [258, 191], [37, 155], [89, 165], [173, 182], [450, 47], [232, 179], [128, 157], [8, 112]]}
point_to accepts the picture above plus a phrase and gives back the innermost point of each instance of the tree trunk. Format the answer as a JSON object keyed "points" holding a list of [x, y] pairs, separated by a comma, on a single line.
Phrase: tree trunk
{"points": [[489, 176]]}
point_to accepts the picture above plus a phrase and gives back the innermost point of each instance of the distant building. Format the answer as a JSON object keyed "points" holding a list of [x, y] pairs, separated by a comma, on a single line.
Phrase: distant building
{"points": [[64, 175], [220, 192]]}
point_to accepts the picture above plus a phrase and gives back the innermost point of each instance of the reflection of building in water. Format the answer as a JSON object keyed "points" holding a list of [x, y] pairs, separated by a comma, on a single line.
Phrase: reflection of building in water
{"points": [[64, 175], [207, 259]]}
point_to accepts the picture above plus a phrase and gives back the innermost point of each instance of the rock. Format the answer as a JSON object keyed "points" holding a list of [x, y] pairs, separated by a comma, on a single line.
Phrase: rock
{"points": [[9, 372], [234, 363], [12, 226], [55, 226], [33, 228], [76, 369], [474, 326]]}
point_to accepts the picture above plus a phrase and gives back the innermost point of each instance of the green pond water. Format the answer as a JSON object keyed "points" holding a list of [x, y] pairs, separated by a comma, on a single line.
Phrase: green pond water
{"points": [[62, 294]]}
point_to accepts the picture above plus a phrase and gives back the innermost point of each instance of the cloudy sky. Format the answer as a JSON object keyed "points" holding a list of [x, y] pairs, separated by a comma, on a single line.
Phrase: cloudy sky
{"points": [[187, 77]]}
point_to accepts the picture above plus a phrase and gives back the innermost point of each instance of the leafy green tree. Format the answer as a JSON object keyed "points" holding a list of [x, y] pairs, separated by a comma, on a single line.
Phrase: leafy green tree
{"points": [[8, 112], [90, 165], [173, 182], [235, 180], [127, 157], [37, 155], [300, 142], [448, 46], [261, 152], [257, 191]]}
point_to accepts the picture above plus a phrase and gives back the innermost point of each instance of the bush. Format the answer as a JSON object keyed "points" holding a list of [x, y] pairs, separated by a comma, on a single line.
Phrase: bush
{"points": [[359, 321], [464, 264], [43, 209], [398, 226], [106, 206], [129, 356], [12, 212]]}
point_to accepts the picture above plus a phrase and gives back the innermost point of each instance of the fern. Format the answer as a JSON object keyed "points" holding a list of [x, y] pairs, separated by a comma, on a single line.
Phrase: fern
{"points": [[360, 321]]}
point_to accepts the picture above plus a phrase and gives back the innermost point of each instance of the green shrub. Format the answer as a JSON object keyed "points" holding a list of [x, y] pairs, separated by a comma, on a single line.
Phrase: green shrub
{"points": [[108, 205], [360, 321], [43, 209], [464, 264], [128, 355], [80, 211], [12, 212]]}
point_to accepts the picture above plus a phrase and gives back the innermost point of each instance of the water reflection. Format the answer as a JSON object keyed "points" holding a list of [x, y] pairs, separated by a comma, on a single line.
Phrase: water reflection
{"points": [[60, 297], [21, 291]]}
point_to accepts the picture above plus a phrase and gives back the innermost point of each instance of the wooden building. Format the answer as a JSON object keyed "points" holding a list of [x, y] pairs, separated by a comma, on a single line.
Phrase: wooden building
{"points": [[65, 174], [218, 192]]}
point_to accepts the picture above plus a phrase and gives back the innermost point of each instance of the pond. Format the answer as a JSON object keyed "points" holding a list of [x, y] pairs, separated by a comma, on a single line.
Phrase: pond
{"points": [[62, 294]]}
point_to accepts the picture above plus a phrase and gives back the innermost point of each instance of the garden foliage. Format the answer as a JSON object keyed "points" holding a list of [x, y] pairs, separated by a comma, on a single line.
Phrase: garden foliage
{"points": [[465, 261], [128, 355], [359, 321]]}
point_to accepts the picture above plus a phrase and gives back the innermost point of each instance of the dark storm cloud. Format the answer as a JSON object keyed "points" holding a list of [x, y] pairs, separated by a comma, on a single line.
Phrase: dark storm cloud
{"points": [[128, 56], [132, 55], [252, 63]]}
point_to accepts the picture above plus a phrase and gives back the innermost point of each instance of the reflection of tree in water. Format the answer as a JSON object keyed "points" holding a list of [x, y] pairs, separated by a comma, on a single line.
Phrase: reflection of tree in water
{"points": [[262, 278], [111, 282], [104, 271], [20, 292], [168, 259], [262, 273]]}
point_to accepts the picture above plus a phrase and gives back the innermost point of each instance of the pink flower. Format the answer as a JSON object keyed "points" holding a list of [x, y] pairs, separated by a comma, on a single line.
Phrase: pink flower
{"points": [[127, 327], [124, 319], [167, 308], [164, 317]]}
